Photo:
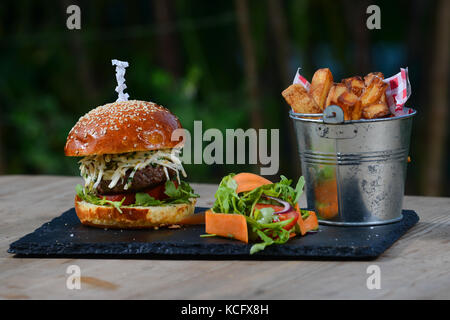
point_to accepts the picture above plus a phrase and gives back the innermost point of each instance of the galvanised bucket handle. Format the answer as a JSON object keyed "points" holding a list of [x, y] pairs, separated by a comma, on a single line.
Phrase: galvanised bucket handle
{"points": [[331, 114]]}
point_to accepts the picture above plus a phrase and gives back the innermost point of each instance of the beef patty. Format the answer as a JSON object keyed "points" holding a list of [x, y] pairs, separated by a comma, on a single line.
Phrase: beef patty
{"points": [[145, 178]]}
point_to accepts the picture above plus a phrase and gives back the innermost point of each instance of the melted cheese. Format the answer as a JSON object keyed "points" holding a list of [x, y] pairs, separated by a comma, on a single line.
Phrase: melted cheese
{"points": [[115, 166]]}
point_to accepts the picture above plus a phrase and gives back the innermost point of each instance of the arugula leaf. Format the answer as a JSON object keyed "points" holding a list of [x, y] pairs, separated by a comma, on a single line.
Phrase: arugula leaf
{"points": [[261, 246], [299, 188], [258, 247], [79, 190], [145, 200], [171, 190], [181, 194], [226, 196], [91, 198]]}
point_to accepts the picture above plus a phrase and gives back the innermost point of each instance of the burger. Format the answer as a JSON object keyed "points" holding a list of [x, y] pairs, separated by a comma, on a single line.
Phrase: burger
{"points": [[131, 167]]}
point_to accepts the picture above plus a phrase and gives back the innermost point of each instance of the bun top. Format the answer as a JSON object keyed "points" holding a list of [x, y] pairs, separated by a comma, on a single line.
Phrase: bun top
{"points": [[121, 127]]}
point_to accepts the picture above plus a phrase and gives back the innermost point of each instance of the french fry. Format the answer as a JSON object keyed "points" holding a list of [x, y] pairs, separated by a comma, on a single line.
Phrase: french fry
{"points": [[299, 99], [355, 85], [376, 110], [357, 111], [373, 92], [320, 86], [368, 79], [347, 101], [336, 90]]}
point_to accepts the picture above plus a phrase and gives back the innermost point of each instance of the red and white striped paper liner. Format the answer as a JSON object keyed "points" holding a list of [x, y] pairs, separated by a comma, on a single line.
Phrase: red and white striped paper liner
{"points": [[300, 79], [397, 93]]}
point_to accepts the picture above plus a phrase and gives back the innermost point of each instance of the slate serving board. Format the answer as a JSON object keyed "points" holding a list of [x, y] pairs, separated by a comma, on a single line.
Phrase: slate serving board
{"points": [[65, 236]]}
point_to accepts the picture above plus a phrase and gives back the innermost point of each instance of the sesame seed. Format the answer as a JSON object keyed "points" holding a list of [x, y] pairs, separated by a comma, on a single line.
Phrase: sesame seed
{"points": [[112, 116]]}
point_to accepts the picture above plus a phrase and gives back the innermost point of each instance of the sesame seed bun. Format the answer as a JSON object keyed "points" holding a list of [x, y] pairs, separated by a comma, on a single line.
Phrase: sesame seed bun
{"points": [[132, 217], [122, 127]]}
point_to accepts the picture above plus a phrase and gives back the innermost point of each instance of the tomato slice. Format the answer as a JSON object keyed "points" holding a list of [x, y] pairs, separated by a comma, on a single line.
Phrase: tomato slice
{"points": [[130, 198], [158, 191], [283, 216], [288, 215]]}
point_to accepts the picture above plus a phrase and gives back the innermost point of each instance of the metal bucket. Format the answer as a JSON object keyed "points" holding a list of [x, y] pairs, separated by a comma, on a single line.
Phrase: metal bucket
{"points": [[355, 171]]}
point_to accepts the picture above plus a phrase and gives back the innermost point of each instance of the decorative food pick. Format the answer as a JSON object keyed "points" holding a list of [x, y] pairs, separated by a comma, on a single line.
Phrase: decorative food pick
{"points": [[120, 76]]}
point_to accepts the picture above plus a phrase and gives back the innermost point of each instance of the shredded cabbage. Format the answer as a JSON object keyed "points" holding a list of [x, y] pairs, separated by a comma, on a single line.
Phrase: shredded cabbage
{"points": [[115, 166]]}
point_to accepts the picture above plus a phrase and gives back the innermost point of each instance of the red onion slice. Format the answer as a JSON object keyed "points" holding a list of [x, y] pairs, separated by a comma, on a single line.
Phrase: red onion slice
{"points": [[287, 206]]}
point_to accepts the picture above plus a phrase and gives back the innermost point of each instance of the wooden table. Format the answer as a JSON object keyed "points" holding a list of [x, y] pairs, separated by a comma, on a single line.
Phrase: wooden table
{"points": [[416, 266]]}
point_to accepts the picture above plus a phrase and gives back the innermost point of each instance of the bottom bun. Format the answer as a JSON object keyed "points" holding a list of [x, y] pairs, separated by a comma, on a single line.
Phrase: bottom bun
{"points": [[132, 217]]}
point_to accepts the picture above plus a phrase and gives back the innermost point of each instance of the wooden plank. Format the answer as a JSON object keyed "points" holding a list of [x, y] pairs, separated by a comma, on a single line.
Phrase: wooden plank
{"points": [[414, 267]]}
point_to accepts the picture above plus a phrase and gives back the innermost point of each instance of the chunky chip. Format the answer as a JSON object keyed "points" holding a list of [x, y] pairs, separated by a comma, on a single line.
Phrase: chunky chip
{"points": [[299, 99], [357, 111], [336, 90], [320, 86], [355, 85], [376, 110], [368, 79], [348, 101], [374, 91]]}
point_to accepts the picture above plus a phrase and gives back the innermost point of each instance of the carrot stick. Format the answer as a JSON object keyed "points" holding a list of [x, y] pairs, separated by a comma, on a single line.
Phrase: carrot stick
{"points": [[227, 225], [300, 221], [311, 222], [308, 224], [249, 181]]}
